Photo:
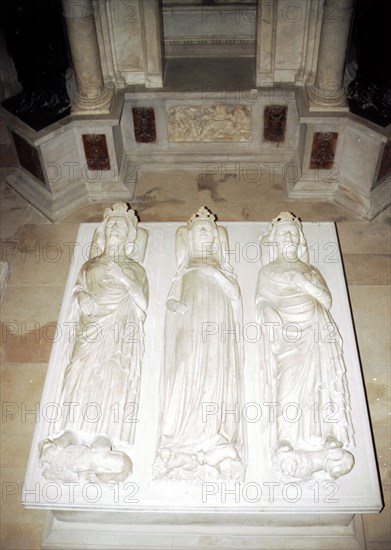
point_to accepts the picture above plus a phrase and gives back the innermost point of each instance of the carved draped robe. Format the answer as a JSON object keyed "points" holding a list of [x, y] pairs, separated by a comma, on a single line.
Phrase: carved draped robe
{"points": [[104, 367], [201, 370], [305, 367]]}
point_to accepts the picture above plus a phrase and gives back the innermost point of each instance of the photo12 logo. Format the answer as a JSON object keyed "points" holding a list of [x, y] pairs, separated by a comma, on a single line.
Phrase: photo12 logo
{"points": [[272, 492]]}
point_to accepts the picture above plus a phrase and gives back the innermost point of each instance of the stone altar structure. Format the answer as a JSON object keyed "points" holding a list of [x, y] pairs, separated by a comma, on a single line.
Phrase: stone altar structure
{"points": [[294, 54], [101, 491]]}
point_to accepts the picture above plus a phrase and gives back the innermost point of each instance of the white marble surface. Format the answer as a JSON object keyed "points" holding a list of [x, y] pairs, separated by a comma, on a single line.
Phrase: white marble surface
{"points": [[354, 493]]}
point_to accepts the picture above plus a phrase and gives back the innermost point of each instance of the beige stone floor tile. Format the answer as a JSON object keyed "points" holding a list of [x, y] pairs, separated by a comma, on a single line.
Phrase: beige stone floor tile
{"points": [[367, 269], [21, 389], [91, 213], [38, 303], [12, 509], [377, 527], [378, 390], [381, 433], [371, 308], [22, 536], [313, 211], [7, 250], [29, 322], [384, 216], [374, 349], [43, 255], [27, 341], [166, 210], [266, 211], [14, 212], [153, 187], [233, 187], [364, 237], [15, 445]]}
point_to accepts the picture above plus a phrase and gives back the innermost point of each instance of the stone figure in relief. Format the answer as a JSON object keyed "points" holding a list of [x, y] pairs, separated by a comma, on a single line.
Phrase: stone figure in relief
{"points": [[202, 361], [301, 353], [209, 123], [328, 462], [108, 309], [64, 459]]}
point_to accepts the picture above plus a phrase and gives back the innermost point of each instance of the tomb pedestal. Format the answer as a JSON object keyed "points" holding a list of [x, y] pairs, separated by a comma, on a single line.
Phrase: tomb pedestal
{"points": [[263, 510]]}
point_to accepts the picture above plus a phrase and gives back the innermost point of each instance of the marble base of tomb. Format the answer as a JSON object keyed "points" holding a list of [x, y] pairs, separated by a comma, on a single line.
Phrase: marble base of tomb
{"points": [[192, 532]]}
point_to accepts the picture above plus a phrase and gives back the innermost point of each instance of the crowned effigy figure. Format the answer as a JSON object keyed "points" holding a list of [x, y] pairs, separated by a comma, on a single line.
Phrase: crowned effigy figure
{"points": [[305, 373], [202, 371], [102, 361]]}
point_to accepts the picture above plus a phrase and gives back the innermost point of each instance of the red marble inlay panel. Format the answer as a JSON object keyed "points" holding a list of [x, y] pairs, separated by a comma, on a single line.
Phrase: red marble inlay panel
{"points": [[323, 149], [95, 149], [274, 123], [144, 124], [28, 157], [385, 167]]}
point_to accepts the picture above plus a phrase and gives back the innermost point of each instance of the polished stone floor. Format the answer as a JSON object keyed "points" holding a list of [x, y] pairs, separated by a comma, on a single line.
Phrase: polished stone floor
{"points": [[39, 256]]}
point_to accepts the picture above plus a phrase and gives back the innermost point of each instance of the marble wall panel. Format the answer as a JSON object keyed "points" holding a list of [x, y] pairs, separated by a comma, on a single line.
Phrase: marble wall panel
{"points": [[291, 23], [361, 150]]}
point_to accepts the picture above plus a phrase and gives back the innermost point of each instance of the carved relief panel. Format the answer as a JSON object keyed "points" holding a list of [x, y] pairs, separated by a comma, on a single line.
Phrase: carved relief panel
{"points": [[209, 123]]}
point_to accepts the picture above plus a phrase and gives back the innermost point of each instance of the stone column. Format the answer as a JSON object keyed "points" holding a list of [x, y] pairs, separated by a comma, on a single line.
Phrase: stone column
{"points": [[152, 39], [91, 94], [327, 91]]}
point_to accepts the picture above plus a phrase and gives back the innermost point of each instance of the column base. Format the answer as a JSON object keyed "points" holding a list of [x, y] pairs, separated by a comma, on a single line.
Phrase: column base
{"points": [[321, 100], [100, 105]]}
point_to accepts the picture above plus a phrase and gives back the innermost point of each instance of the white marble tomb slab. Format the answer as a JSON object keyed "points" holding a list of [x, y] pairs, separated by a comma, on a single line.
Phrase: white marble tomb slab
{"points": [[262, 493]]}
